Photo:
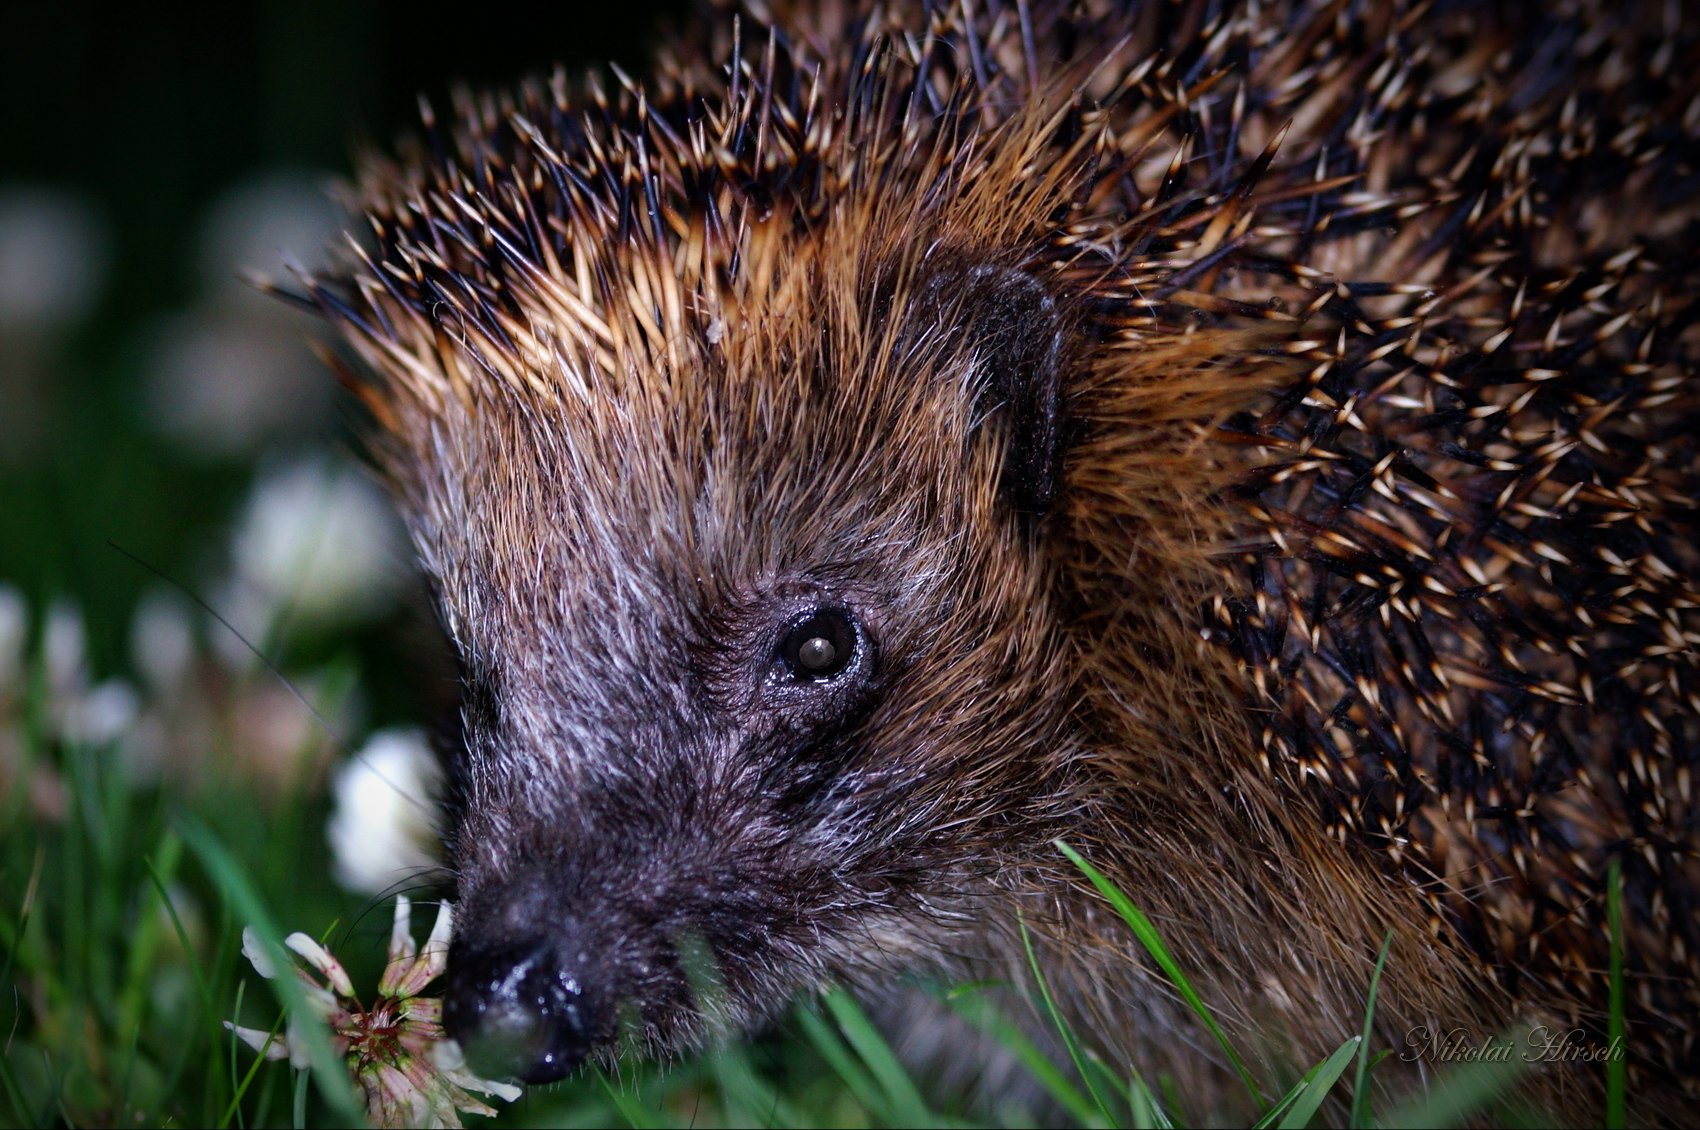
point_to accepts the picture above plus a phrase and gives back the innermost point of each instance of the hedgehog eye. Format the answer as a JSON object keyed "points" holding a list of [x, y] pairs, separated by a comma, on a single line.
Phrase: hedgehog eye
{"points": [[819, 647]]}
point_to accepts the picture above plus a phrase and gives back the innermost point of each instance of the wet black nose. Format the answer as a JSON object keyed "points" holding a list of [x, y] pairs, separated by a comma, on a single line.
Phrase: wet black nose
{"points": [[516, 1012]]}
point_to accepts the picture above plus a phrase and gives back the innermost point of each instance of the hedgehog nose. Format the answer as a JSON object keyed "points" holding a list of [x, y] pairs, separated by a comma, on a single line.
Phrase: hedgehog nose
{"points": [[516, 1012]]}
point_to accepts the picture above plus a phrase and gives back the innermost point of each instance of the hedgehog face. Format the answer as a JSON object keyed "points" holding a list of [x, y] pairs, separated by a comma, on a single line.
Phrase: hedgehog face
{"points": [[729, 699]]}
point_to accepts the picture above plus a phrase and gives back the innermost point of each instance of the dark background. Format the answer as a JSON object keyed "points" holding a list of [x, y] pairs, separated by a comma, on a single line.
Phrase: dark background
{"points": [[153, 111], [146, 116]]}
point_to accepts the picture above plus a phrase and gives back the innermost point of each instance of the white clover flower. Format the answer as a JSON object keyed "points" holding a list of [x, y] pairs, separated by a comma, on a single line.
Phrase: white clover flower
{"points": [[316, 540], [408, 1071], [101, 714], [383, 827], [263, 225], [64, 649], [54, 248], [223, 387]]}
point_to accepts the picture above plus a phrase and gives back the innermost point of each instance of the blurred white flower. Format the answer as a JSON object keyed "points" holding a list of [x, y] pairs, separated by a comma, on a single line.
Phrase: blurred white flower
{"points": [[81, 710], [53, 254], [263, 225], [162, 641], [191, 717], [235, 368], [64, 649], [316, 540], [100, 714], [54, 249], [14, 623], [72, 708], [409, 1072], [223, 385], [30, 777], [210, 710], [383, 828]]}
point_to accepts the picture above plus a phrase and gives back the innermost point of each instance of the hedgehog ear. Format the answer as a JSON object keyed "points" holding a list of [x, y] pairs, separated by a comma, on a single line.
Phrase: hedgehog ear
{"points": [[1015, 332]]}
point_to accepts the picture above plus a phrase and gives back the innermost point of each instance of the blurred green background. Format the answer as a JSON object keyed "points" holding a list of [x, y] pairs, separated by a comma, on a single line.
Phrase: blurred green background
{"points": [[143, 152]]}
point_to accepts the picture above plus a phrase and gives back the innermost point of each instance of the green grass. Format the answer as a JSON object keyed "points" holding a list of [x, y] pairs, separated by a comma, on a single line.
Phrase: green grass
{"points": [[121, 917]]}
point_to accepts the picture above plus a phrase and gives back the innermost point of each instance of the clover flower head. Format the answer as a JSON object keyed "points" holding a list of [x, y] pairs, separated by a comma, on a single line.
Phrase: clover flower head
{"points": [[410, 1073]]}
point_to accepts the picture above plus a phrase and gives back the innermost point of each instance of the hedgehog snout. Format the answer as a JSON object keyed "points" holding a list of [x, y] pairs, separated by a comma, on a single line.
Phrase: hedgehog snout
{"points": [[520, 1010]]}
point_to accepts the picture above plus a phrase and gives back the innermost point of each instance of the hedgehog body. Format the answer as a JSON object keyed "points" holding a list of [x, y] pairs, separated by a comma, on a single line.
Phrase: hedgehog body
{"points": [[1253, 443]]}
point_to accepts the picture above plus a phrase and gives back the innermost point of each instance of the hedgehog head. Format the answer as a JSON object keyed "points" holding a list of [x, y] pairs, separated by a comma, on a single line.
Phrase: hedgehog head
{"points": [[724, 641], [734, 529]]}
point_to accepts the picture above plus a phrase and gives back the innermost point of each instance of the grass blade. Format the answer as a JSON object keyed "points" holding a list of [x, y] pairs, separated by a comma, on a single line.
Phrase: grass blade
{"points": [[1616, 1103], [299, 1107], [748, 1096], [327, 1066], [630, 1106], [1360, 1080], [14, 943], [1062, 1028], [973, 1007], [842, 1060], [1463, 1092], [1146, 932], [1148, 1113], [1298, 1106], [905, 1101]]}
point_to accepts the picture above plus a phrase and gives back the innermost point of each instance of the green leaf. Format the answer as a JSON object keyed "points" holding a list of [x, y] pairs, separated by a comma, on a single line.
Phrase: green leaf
{"points": [[1063, 1029]]}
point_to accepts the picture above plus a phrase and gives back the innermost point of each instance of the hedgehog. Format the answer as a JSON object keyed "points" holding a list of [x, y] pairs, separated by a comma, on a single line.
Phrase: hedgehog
{"points": [[1254, 444]]}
